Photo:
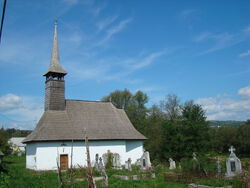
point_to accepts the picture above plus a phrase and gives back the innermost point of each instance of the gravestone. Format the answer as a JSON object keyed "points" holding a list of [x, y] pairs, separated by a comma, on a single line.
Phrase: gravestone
{"points": [[145, 161], [138, 162], [96, 161], [179, 166], [172, 164], [100, 165], [105, 157], [194, 157], [1, 156], [115, 159], [218, 167], [128, 165], [233, 163]]}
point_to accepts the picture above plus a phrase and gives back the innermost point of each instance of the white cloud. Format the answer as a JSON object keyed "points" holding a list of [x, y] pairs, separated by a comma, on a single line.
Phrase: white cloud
{"points": [[106, 22], [222, 40], [223, 107], [149, 59], [19, 112], [112, 68], [244, 92], [245, 54], [97, 10], [10, 102], [202, 37], [114, 30]]}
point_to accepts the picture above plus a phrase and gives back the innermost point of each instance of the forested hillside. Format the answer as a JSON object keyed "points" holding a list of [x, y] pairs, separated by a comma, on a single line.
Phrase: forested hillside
{"points": [[215, 123]]}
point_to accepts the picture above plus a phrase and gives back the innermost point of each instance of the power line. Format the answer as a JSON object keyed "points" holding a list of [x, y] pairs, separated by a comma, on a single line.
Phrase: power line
{"points": [[1, 29]]}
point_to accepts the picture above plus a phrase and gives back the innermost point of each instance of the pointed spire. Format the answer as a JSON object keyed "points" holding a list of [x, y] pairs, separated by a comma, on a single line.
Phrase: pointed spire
{"points": [[55, 66]]}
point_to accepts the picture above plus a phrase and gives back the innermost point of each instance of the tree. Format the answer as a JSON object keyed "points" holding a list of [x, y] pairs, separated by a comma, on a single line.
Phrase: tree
{"points": [[137, 110], [193, 112], [134, 105], [194, 128], [243, 139], [153, 131], [121, 99], [171, 107], [4, 146]]}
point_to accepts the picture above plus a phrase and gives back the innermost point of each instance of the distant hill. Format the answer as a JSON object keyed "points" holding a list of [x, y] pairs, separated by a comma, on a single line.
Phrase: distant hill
{"points": [[215, 123]]}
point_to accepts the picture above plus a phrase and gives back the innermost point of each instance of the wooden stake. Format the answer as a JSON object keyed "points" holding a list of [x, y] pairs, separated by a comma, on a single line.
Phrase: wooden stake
{"points": [[91, 181], [71, 179]]}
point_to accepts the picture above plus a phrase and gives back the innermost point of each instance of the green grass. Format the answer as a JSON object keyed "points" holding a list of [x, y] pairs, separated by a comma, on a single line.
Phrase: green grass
{"points": [[20, 177]]}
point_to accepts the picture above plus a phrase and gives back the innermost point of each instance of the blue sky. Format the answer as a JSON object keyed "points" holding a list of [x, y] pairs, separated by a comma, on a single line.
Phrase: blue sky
{"points": [[197, 50]]}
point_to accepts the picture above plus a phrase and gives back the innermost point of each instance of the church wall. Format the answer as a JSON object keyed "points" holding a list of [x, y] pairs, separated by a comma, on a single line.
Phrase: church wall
{"points": [[31, 156], [48, 152], [134, 150]]}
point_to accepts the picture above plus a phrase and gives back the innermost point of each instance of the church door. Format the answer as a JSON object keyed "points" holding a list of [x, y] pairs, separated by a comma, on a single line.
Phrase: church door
{"points": [[64, 161]]}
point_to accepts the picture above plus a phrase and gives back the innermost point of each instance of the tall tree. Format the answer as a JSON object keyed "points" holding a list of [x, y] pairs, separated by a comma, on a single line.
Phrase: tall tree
{"points": [[243, 138], [195, 128], [171, 107], [137, 110], [121, 99], [153, 131], [134, 105]]}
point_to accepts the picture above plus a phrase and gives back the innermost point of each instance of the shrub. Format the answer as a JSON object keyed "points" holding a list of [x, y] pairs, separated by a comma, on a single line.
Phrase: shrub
{"points": [[109, 163]]}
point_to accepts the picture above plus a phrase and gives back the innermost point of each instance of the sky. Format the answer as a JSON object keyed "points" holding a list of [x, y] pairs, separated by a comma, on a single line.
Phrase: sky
{"points": [[198, 50]]}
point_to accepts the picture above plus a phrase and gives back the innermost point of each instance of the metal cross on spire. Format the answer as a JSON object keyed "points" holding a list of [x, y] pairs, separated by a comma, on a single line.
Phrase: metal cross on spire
{"points": [[232, 149], [56, 20]]}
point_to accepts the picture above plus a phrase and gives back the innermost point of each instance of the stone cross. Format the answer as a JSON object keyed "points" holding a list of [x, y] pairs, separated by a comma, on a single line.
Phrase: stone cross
{"points": [[232, 149], [194, 156], [96, 161], [100, 164]]}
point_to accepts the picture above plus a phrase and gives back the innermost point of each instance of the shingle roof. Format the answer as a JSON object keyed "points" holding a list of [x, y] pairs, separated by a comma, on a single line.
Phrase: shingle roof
{"points": [[55, 66], [102, 121]]}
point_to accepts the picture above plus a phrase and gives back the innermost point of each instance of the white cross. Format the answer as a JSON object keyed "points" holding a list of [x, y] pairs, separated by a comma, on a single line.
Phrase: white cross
{"points": [[231, 149]]}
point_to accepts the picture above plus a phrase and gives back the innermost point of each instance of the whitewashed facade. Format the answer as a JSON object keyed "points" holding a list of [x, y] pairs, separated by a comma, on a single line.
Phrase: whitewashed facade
{"points": [[44, 155]]}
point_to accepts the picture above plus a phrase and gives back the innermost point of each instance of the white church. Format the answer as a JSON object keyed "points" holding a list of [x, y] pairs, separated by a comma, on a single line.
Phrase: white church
{"points": [[63, 120]]}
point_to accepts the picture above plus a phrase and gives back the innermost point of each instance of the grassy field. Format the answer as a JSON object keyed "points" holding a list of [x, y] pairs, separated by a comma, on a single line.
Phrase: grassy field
{"points": [[19, 176]]}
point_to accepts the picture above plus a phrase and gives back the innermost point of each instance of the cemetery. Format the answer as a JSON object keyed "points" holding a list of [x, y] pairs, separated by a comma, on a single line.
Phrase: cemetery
{"points": [[195, 172]]}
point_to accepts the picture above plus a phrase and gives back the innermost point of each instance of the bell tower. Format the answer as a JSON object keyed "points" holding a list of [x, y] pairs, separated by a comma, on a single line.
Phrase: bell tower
{"points": [[54, 84]]}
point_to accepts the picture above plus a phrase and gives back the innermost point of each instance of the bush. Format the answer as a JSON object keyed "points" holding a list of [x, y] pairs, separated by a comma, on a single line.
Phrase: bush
{"points": [[109, 163], [203, 166], [4, 180]]}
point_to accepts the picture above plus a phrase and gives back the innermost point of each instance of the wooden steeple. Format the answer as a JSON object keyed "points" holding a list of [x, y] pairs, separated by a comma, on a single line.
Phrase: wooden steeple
{"points": [[55, 85]]}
